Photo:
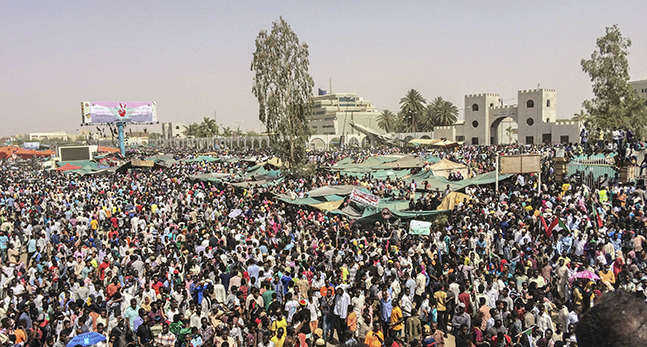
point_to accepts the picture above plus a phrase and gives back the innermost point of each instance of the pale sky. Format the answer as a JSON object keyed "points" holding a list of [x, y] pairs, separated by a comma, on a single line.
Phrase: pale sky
{"points": [[193, 57]]}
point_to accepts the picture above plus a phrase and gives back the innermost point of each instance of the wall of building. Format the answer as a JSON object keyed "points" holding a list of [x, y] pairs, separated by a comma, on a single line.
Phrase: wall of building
{"points": [[640, 87]]}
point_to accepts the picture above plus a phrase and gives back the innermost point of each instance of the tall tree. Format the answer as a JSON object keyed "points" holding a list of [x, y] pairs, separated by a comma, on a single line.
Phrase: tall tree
{"points": [[386, 120], [209, 127], [412, 106], [580, 116], [192, 130], [441, 112], [283, 88], [615, 103]]}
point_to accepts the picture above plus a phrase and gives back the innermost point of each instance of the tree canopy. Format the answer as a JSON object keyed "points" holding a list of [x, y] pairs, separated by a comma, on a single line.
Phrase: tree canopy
{"points": [[615, 103], [283, 88], [412, 107]]}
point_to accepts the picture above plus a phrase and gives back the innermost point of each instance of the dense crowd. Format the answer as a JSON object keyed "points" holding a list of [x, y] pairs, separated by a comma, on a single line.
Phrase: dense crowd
{"points": [[155, 258]]}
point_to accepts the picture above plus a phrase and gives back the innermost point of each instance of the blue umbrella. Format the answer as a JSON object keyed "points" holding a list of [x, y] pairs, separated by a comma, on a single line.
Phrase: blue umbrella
{"points": [[86, 339]]}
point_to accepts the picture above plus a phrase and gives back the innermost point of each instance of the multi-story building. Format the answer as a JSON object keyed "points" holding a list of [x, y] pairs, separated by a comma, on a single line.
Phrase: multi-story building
{"points": [[640, 87], [333, 112], [61, 135]]}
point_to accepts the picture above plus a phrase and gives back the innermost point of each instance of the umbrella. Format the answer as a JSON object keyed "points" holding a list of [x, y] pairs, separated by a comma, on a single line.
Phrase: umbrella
{"points": [[86, 339], [586, 274]]}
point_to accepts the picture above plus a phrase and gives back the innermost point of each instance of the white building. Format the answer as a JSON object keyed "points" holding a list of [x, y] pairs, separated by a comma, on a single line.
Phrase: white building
{"points": [[535, 116], [61, 135], [333, 112], [173, 130], [640, 87]]}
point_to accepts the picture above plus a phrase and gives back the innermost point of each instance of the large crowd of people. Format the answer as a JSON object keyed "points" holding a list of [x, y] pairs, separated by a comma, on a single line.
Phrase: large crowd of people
{"points": [[153, 257]]}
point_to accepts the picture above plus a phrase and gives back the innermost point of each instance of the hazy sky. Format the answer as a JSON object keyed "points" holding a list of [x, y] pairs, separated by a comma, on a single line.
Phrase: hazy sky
{"points": [[193, 57]]}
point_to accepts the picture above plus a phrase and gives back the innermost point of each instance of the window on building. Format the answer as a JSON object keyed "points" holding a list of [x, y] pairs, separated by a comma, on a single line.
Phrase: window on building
{"points": [[475, 140], [475, 124], [177, 127], [548, 103], [491, 104], [530, 122], [460, 138], [564, 139], [530, 140], [475, 107], [530, 104]]}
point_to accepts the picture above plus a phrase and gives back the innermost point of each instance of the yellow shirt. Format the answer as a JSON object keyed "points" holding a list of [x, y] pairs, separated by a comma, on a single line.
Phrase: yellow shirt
{"points": [[278, 342], [396, 315], [280, 324], [608, 276], [94, 224], [441, 299], [374, 339]]}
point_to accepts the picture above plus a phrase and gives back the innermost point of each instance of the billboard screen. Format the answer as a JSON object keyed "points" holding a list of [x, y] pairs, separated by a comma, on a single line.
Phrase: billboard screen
{"points": [[95, 112], [31, 145], [520, 164], [75, 153]]}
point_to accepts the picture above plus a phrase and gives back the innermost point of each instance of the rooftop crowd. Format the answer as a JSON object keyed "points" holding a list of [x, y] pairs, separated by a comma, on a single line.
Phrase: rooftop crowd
{"points": [[154, 258]]}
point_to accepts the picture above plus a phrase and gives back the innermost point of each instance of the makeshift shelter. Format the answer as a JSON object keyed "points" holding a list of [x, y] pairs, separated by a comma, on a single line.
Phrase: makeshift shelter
{"points": [[67, 167], [446, 143], [445, 167], [451, 200]]}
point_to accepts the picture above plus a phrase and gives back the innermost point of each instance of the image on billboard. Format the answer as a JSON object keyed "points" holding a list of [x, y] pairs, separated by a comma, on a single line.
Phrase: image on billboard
{"points": [[98, 112]]}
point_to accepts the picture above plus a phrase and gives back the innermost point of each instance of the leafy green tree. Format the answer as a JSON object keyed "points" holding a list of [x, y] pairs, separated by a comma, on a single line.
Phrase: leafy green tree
{"points": [[412, 107], [192, 130], [227, 132], [441, 112], [153, 136], [283, 88], [387, 120], [209, 128], [615, 103], [580, 116]]}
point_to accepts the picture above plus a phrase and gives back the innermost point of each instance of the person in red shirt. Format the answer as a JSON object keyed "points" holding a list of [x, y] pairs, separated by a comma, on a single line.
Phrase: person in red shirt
{"points": [[501, 340], [102, 268]]}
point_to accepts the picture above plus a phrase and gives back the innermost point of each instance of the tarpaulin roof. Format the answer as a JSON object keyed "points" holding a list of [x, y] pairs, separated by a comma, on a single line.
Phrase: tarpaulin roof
{"points": [[332, 190], [102, 149], [212, 177], [30, 153], [201, 158], [68, 166], [424, 141], [446, 166], [79, 163], [7, 151], [408, 162], [451, 200]]}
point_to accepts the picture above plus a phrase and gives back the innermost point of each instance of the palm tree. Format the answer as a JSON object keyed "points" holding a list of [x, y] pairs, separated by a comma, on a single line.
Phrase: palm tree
{"points": [[209, 127], [581, 116], [227, 132], [442, 112], [412, 106], [386, 120], [193, 130]]}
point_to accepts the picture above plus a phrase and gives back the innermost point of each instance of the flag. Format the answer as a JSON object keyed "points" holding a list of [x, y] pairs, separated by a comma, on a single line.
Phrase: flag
{"points": [[557, 225], [543, 221], [597, 217]]}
